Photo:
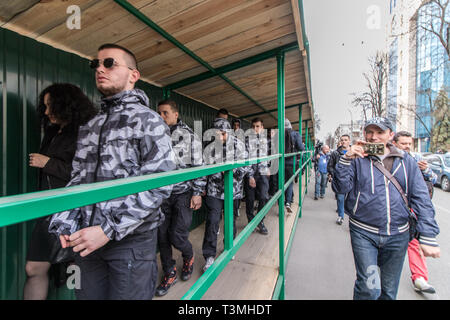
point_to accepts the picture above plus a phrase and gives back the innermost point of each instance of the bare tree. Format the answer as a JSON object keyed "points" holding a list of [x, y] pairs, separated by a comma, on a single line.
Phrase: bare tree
{"points": [[371, 101], [439, 111], [329, 140], [441, 128], [430, 22], [317, 122], [436, 20]]}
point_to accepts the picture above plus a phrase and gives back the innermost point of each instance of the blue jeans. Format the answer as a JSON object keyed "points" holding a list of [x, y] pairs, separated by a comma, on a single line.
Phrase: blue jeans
{"points": [[321, 183], [289, 193], [340, 204], [378, 262]]}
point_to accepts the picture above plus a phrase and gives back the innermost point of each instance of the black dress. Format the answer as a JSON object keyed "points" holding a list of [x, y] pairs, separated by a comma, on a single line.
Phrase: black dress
{"points": [[60, 147]]}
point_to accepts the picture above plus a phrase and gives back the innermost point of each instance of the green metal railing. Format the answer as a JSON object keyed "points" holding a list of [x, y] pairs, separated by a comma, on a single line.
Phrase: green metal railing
{"points": [[24, 207]]}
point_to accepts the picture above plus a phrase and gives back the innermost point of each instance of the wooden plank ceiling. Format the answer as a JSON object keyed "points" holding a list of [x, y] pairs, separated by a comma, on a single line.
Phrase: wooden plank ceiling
{"points": [[218, 31]]}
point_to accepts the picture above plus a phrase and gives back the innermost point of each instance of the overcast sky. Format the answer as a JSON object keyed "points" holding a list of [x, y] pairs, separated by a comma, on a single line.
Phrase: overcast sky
{"points": [[342, 35]]}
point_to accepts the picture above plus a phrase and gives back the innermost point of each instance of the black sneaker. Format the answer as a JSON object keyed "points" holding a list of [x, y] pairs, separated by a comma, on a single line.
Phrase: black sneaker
{"points": [[188, 268], [262, 229], [168, 280]]}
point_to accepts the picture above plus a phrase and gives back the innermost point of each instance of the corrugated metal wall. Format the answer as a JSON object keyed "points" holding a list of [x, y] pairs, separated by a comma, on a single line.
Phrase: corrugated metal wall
{"points": [[26, 68]]}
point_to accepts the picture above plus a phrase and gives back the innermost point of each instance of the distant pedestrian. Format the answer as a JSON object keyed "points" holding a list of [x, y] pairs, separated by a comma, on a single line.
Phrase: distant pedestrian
{"points": [[222, 113], [292, 143], [344, 146], [322, 172]]}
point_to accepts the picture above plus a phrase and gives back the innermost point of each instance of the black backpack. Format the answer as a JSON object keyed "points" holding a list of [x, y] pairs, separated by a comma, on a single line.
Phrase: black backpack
{"points": [[288, 144]]}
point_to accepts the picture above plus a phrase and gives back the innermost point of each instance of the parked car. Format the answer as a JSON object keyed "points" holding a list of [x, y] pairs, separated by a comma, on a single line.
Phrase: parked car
{"points": [[440, 164], [420, 155]]}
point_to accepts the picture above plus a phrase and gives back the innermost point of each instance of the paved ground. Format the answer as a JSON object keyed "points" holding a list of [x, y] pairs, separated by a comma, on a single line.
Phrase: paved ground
{"points": [[321, 263]]}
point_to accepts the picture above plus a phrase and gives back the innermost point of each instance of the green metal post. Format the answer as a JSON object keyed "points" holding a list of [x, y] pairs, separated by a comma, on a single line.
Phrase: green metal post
{"points": [[295, 158], [228, 209], [307, 148], [166, 93], [300, 182], [280, 94]]}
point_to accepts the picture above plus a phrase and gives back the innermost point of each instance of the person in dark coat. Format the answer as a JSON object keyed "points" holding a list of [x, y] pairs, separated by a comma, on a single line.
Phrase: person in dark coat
{"points": [[62, 109], [293, 143], [344, 142]]}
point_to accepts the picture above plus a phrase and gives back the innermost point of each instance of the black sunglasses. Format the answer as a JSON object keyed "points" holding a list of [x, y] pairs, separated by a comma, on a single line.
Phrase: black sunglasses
{"points": [[107, 63]]}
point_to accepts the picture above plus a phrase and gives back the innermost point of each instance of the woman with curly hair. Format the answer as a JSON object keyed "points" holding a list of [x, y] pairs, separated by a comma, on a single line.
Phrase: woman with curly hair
{"points": [[62, 109]]}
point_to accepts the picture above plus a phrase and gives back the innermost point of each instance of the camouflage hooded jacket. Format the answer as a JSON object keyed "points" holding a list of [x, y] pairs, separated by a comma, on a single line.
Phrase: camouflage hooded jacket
{"points": [[125, 139], [233, 150], [257, 146], [188, 153]]}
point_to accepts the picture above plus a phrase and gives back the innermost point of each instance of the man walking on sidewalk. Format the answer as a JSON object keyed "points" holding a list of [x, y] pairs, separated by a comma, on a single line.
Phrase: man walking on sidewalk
{"points": [[321, 172], [344, 142], [379, 217], [417, 264]]}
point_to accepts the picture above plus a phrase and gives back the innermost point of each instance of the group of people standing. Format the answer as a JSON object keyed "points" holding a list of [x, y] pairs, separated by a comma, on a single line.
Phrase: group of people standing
{"points": [[388, 200], [114, 243]]}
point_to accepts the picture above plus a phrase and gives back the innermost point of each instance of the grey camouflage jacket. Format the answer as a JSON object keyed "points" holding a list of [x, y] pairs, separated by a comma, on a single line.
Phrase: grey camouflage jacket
{"points": [[233, 149], [188, 154], [257, 146], [125, 139]]}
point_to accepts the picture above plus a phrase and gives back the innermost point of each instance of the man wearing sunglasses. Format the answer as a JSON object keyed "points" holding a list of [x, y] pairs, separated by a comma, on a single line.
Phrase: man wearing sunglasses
{"points": [[116, 239]]}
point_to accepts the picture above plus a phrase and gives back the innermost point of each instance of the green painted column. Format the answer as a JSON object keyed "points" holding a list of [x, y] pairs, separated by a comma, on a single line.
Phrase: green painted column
{"points": [[166, 93], [300, 196], [307, 148], [228, 209], [281, 165]]}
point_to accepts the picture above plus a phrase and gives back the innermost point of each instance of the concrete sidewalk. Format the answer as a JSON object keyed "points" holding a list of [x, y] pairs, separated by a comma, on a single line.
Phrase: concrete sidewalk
{"points": [[321, 265]]}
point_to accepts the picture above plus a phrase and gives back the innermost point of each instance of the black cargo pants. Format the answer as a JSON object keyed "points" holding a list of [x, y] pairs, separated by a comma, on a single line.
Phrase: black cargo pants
{"points": [[214, 207], [121, 270], [260, 193], [175, 229]]}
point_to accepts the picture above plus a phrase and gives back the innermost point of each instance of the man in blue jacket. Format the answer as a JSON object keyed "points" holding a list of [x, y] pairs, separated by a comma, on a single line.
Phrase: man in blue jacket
{"points": [[344, 145], [322, 172], [378, 215]]}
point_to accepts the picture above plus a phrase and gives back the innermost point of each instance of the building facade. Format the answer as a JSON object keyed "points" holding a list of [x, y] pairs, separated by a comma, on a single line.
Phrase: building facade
{"points": [[353, 129], [418, 67]]}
